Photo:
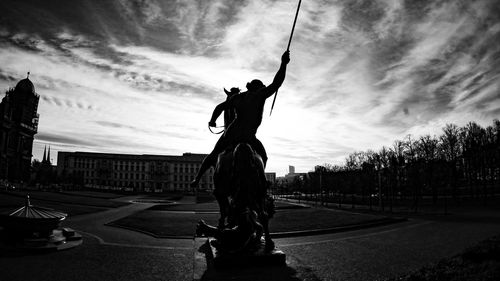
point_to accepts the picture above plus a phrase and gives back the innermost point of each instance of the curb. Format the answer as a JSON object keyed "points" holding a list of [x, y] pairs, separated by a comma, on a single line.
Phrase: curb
{"points": [[344, 228], [150, 233], [286, 234]]}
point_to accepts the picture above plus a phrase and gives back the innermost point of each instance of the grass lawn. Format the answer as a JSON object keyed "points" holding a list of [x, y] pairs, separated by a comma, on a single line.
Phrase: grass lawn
{"points": [[312, 218], [167, 196], [65, 198], [94, 194], [9, 203], [207, 207], [211, 207], [481, 262], [77, 206], [163, 223]]}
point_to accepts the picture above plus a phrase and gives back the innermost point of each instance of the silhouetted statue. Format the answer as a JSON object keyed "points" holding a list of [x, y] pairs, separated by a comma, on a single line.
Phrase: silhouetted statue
{"points": [[249, 107], [239, 178], [241, 191]]}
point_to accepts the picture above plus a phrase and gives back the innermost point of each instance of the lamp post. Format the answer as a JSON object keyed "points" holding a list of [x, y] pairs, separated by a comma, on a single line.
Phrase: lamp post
{"points": [[321, 186]]}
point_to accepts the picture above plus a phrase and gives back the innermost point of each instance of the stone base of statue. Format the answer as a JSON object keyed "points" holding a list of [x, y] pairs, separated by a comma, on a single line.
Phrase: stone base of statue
{"points": [[241, 241], [257, 256], [213, 265]]}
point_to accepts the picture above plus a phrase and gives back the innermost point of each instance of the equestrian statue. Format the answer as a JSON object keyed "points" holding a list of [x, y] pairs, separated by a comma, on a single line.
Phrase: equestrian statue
{"points": [[239, 159]]}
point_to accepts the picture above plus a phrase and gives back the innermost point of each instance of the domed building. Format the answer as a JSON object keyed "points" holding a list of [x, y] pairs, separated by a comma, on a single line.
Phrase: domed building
{"points": [[18, 125]]}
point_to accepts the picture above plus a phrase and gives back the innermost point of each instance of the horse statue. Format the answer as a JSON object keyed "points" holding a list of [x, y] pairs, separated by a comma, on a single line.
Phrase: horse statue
{"points": [[245, 207]]}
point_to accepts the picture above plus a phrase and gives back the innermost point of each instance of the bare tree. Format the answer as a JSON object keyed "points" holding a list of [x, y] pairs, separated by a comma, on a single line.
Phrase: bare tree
{"points": [[470, 136], [427, 153], [467, 157], [399, 166], [450, 143]]}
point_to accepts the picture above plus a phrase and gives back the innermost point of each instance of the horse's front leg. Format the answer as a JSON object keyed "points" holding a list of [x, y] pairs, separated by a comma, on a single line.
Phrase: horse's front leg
{"points": [[223, 210], [264, 219]]}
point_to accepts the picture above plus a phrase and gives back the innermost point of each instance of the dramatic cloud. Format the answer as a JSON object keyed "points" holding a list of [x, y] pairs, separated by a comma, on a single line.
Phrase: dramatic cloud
{"points": [[143, 76]]}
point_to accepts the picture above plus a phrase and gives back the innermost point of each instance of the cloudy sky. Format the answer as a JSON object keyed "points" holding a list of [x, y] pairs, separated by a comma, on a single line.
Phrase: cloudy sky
{"points": [[143, 76]]}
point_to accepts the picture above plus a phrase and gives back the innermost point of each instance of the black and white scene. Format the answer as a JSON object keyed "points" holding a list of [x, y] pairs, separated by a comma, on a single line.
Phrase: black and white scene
{"points": [[301, 140]]}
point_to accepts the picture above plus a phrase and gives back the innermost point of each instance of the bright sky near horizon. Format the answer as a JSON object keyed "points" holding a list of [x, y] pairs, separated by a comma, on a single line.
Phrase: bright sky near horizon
{"points": [[143, 76]]}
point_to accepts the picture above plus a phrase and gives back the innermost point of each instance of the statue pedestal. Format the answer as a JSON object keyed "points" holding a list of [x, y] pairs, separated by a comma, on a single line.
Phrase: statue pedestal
{"points": [[212, 265], [258, 257]]}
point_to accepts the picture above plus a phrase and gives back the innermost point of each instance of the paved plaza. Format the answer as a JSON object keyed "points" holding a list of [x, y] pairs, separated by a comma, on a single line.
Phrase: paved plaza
{"points": [[371, 253]]}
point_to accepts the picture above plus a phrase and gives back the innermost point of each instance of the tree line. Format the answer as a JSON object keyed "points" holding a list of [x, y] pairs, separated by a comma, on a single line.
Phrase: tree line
{"points": [[462, 162]]}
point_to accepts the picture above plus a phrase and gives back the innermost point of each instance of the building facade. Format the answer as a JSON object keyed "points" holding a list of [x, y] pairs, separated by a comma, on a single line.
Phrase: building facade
{"points": [[271, 177], [18, 125], [142, 173], [290, 177]]}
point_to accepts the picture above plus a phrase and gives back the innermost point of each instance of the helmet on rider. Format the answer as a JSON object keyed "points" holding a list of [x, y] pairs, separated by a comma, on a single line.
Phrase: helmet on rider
{"points": [[255, 85]]}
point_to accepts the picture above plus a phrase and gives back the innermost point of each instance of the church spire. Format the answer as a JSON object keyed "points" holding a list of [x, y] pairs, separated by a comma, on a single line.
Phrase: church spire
{"points": [[44, 154], [48, 156]]}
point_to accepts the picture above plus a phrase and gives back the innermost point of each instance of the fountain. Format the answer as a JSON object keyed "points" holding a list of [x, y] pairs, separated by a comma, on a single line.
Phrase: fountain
{"points": [[33, 227]]}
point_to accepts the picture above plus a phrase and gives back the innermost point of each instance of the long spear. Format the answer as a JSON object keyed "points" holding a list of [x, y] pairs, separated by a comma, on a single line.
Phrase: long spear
{"points": [[288, 49]]}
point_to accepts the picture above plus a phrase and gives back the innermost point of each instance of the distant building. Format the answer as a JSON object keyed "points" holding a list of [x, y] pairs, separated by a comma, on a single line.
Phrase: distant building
{"points": [[292, 174], [44, 172], [271, 177], [148, 173], [290, 177], [18, 125]]}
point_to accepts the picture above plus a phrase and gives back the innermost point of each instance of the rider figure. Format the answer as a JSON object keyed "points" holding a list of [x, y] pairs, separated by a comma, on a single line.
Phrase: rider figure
{"points": [[249, 107]]}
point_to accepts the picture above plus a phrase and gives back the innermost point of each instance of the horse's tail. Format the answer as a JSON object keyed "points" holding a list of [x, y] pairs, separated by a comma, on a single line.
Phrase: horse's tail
{"points": [[248, 176]]}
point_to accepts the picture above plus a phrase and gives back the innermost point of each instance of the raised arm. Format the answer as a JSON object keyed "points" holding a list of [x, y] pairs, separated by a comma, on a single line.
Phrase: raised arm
{"points": [[279, 77]]}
